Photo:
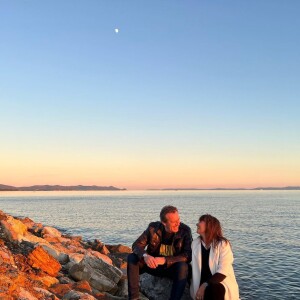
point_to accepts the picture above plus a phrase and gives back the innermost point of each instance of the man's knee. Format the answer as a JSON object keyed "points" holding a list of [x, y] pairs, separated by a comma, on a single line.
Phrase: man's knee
{"points": [[132, 258], [181, 270]]}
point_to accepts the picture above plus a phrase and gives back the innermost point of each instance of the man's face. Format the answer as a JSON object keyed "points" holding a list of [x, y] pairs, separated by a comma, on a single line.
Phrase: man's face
{"points": [[172, 223]]}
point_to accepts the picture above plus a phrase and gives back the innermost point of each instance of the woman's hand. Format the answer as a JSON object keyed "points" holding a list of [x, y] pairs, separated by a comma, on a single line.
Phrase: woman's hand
{"points": [[201, 291], [160, 260]]}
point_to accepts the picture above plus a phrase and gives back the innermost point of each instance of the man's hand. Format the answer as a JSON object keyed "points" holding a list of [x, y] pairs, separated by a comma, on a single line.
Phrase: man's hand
{"points": [[150, 261], [201, 291], [160, 260]]}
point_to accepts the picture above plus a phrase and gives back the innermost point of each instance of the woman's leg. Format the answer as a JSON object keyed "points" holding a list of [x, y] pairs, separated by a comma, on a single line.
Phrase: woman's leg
{"points": [[214, 292]]}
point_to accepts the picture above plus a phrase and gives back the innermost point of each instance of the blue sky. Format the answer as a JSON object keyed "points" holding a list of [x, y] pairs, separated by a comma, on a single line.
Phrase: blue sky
{"points": [[185, 87]]}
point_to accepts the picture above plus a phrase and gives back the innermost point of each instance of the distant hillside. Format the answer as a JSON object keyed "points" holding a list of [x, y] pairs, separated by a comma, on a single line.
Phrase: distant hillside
{"points": [[292, 188], [59, 188], [7, 188], [287, 188]]}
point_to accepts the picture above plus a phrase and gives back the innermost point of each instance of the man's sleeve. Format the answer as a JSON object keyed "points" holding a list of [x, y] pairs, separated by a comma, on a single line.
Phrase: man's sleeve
{"points": [[138, 247]]}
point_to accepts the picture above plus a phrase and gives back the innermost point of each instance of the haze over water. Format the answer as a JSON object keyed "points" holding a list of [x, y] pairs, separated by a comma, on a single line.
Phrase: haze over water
{"points": [[263, 226]]}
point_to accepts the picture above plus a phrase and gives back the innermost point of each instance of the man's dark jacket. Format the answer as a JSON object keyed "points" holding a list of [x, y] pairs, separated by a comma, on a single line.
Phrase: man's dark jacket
{"points": [[152, 237]]}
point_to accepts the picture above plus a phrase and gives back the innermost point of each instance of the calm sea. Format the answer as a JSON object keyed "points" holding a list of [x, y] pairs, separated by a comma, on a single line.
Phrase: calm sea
{"points": [[263, 226]]}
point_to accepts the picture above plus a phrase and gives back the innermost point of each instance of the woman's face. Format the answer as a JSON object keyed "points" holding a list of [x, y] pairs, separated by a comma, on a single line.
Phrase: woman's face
{"points": [[201, 227]]}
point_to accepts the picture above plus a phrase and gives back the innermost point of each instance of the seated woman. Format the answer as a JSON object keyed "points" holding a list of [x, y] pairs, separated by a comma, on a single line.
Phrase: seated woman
{"points": [[212, 272]]}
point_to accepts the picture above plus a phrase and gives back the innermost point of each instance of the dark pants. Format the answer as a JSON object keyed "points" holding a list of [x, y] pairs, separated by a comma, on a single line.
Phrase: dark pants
{"points": [[214, 292], [178, 272]]}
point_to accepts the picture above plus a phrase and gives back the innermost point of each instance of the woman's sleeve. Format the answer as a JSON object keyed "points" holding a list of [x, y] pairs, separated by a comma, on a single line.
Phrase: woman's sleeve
{"points": [[225, 259], [216, 278]]}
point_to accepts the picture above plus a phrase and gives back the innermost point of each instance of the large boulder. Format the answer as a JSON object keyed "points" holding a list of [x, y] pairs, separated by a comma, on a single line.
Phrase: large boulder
{"points": [[99, 255], [55, 252], [158, 288], [100, 275], [40, 259], [34, 228], [13, 229], [51, 231]]}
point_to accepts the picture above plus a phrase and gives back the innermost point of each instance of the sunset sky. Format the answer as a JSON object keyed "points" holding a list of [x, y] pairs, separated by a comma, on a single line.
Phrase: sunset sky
{"points": [[184, 94]]}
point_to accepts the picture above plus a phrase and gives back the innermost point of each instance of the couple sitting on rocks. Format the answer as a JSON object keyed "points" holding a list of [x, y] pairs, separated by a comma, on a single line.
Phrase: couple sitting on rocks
{"points": [[166, 249]]}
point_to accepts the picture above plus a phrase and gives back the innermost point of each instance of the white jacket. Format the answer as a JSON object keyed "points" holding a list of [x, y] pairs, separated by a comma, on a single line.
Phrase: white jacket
{"points": [[220, 261]]}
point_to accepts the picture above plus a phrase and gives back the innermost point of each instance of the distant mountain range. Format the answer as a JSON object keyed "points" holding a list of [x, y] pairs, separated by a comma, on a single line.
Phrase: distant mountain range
{"points": [[286, 188], [59, 188]]}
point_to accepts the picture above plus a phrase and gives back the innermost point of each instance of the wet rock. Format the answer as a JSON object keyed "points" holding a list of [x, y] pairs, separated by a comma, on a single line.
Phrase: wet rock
{"points": [[158, 288], [40, 259]]}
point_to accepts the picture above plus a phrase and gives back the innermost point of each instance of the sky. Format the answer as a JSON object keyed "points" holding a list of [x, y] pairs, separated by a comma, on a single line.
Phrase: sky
{"points": [[187, 94]]}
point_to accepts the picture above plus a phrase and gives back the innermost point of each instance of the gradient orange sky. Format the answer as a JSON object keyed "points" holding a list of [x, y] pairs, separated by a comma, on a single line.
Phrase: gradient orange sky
{"points": [[201, 95]]}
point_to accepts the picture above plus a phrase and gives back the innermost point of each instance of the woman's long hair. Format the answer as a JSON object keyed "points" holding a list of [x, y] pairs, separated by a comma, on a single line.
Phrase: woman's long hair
{"points": [[213, 233]]}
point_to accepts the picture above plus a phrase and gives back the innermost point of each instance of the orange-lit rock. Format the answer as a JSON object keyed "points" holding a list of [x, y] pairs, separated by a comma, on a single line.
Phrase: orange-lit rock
{"points": [[24, 294], [119, 249], [13, 229], [99, 255], [97, 245], [48, 281], [60, 289], [40, 259], [82, 286], [51, 231], [5, 255], [33, 227], [46, 295], [38, 263]]}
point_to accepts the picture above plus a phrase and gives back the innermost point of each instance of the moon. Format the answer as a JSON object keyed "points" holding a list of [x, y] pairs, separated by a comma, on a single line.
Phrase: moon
{"points": [[116, 30]]}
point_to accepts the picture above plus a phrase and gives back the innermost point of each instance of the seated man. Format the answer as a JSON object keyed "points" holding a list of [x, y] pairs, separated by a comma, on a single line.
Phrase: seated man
{"points": [[167, 254]]}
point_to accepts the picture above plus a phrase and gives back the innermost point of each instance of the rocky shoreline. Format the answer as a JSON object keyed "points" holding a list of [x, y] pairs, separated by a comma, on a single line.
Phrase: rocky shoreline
{"points": [[39, 262]]}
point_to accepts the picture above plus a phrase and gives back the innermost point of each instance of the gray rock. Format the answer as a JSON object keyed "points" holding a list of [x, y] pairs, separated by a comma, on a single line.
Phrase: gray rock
{"points": [[75, 295], [158, 288], [122, 288], [99, 274]]}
